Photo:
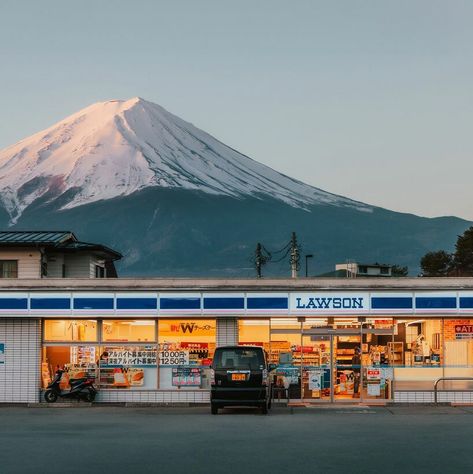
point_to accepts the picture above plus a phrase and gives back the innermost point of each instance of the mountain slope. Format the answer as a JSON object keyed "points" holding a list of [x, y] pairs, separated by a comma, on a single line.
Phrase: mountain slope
{"points": [[179, 232], [116, 148]]}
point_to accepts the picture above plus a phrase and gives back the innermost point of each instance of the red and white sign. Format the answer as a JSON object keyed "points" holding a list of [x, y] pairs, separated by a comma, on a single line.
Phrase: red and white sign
{"points": [[464, 329], [373, 374]]}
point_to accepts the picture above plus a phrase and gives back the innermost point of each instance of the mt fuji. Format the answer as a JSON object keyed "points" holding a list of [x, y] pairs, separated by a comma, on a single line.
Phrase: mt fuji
{"points": [[176, 201], [116, 148]]}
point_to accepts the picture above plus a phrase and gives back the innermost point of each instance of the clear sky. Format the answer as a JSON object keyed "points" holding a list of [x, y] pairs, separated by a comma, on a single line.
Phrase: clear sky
{"points": [[369, 99]]}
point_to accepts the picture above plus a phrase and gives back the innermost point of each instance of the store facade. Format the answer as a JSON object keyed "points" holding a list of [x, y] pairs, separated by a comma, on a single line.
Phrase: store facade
{"points": [[152, 341]]}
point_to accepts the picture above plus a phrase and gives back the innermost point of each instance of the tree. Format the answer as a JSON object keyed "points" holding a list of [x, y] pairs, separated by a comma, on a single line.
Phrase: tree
{"points": [[463, 256], [398, 271], [436, 264]]}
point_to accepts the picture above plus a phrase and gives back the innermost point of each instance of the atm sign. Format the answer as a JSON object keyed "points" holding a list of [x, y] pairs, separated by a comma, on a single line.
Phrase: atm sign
{"points": [[464, 329]]}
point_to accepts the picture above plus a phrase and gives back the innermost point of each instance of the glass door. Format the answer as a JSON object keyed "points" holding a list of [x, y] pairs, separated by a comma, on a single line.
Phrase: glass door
{"points": [[379, 353], [346, 366], [316, 373]]}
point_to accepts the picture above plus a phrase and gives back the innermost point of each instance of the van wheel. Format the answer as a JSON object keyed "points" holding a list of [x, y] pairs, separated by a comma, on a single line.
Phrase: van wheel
{"points": [[214, 409], [264, 408]]}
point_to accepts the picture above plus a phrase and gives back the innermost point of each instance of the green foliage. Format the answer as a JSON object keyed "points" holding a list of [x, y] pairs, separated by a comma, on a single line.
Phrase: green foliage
{"points": [[398, 271], [436, 264], [463, 256]]}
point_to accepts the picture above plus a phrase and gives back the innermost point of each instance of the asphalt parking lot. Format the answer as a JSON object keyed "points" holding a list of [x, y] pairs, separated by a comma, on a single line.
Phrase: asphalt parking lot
{"points": [[105, 439]]}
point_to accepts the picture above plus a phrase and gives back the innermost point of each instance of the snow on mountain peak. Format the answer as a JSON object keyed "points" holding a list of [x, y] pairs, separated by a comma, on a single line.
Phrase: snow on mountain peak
{"points": [[117, 147]]}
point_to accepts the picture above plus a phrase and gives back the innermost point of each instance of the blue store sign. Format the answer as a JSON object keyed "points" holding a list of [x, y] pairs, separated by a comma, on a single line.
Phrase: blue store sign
{"points": [[330, 302]]}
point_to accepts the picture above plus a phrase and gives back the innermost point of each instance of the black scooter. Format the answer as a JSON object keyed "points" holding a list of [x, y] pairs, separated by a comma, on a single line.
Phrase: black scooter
{"points": [[81, 389]]}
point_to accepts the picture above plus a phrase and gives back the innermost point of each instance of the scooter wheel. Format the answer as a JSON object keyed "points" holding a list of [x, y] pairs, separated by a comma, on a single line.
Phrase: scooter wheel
{"points": [[89, 397], [50, 396]]}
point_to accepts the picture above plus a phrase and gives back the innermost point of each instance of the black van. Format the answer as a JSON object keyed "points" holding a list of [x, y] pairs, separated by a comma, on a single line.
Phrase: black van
{"points": [[239, 377]]}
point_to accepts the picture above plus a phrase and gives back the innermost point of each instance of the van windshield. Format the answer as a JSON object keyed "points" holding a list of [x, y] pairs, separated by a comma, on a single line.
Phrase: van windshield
{"points": [[238, 358]]}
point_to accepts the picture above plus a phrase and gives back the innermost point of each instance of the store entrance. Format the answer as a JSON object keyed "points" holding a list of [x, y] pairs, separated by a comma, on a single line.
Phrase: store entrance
{"points": [[331, 365], [328, 361]]}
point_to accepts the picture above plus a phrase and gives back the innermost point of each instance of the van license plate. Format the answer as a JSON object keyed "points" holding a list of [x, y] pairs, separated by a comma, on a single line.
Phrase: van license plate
{"points": [[238, 377]]}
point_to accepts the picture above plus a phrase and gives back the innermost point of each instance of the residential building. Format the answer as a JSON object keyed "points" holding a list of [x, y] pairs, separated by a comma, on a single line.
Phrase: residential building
{"points": [[47, 254]]}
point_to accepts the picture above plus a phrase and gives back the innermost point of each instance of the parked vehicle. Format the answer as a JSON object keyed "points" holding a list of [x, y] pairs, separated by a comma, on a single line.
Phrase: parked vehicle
{"points": [[239, 377], [81, 389]]}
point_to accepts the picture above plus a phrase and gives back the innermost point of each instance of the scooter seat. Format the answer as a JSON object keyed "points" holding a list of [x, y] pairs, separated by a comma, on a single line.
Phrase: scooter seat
{"points": [[77, 381]]}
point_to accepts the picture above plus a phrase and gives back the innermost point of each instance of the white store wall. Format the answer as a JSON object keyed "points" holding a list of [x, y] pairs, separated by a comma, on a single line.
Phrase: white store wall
{"points": [[19, 374]]}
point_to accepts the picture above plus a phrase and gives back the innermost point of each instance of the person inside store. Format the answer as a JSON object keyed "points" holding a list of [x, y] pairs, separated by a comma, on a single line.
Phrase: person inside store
{"points": [[356, 367], [103, 359]]}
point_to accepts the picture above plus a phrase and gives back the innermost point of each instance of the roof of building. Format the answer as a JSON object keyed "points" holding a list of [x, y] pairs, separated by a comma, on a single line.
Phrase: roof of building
{"points": [[76, 246], [60, 240], [376, 264], [239, 285], [36, 237]]}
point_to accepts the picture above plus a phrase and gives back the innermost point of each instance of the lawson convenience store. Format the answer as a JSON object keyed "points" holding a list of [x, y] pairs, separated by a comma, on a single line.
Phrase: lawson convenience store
{"points": [[152, 341]]}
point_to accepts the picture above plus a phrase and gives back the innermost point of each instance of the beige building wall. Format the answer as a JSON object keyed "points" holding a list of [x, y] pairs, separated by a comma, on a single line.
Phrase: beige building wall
{"points": [[29, 261]]}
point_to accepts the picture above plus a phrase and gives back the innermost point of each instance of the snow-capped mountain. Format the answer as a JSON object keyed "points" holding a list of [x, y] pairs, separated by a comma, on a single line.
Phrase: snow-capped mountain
{"points": [[116, 148]]}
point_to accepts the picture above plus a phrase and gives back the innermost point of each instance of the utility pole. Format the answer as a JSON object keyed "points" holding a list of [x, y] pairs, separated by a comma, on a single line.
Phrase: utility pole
{"points": [[307, 264], [258, 260], [294, 256]]}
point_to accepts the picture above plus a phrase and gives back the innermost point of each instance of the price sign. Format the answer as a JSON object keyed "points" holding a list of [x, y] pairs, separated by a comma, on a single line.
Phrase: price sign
{"points": [[173, 357]]}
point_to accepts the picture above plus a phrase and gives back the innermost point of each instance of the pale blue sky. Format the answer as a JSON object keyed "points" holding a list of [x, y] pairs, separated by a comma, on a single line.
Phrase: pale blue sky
{"points": [[368, 99]]}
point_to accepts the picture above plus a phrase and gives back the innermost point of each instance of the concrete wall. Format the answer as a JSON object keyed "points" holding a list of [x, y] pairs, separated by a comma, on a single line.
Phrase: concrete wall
{"points": [[20, 371]]}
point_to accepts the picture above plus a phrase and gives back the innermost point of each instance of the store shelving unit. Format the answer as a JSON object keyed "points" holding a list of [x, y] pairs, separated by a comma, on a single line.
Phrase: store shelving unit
{"points": [[396, 353]]}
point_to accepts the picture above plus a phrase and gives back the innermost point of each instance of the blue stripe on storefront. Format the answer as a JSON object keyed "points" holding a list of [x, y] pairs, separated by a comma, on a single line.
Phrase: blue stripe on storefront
{"points": [[13, 303], [224, 303], [424, 302], [391, 302], [50, 303], [466, 302], [93, 303], [179, 303], [137, 303], [267, 303]]}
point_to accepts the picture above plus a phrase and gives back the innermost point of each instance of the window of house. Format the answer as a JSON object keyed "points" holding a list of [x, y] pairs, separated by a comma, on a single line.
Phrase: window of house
{"points": [[99, 271], [384, 270], [8, 268], [362, 269]]}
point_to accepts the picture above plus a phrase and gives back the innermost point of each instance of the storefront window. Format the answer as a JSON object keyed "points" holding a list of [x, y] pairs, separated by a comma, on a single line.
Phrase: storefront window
{"points": [[137, 330], [285, 353], [62, 330], [76, 361], [458, 352], [418, 353], [254, 332], [186, 349], [128, 367], [378, 354]]}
